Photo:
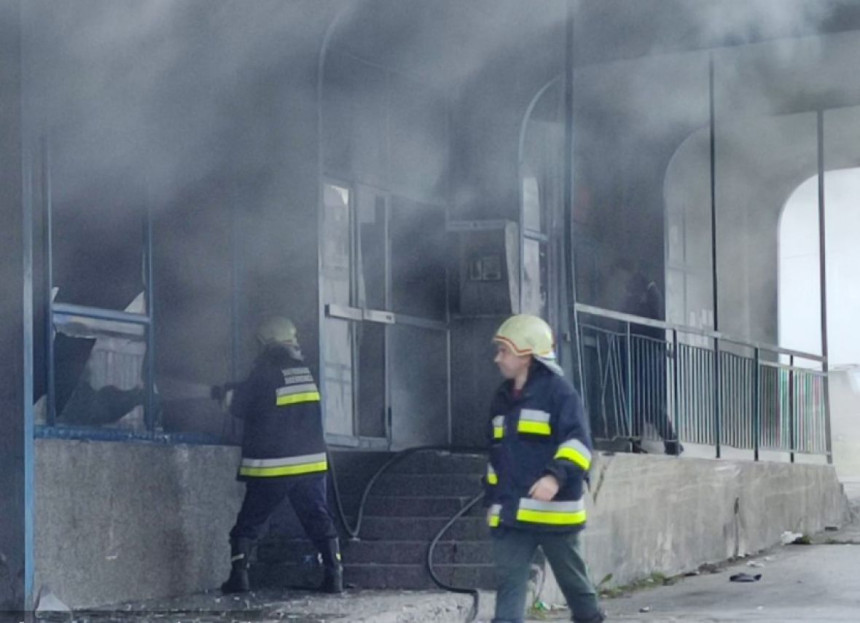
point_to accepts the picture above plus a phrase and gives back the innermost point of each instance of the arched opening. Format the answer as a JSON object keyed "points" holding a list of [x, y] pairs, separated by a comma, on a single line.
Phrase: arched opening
{"points": [[799, 268], [800, 297]]}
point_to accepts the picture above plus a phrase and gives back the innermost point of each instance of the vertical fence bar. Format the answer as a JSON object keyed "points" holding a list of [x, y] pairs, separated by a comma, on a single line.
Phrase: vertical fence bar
{"points": [[799, 411], [791, 408], [727, 381], [676, 408], [698, 393], [745, 431], [695, 395], [717, 399], [756, 419], [764, 409], [629, 376], [708, 395], [725, 405], [731, 400]]}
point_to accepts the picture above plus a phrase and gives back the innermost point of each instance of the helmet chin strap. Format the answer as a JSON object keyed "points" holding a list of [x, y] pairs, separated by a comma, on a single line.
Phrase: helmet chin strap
{"points": [[551, 364], [295, 352]]}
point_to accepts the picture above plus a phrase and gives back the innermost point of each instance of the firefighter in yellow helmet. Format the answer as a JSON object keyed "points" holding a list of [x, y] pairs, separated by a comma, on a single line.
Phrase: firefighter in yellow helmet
{"points": [[283, 453], [540, 452]]}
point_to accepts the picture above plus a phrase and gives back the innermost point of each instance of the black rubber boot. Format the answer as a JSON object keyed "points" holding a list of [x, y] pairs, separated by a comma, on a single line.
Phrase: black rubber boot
{"points": [[636, 447], [332, 566], [673, 447], [597, 618], [240, 558]]}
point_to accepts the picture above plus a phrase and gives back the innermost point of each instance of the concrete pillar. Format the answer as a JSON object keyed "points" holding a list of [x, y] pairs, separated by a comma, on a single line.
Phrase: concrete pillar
{"points": [[16, 441]]}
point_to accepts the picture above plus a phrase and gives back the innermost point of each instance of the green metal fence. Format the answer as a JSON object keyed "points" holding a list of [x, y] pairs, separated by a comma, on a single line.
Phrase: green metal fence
{"points": [[645, 378]]}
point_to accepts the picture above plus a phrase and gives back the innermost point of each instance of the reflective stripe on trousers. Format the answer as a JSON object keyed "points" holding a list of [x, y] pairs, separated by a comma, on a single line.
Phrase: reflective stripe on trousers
{"points": [[287, 466]]}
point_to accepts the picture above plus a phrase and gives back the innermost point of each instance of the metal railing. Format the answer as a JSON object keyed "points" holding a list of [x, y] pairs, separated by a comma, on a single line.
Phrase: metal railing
{"points": [[645, 378]]}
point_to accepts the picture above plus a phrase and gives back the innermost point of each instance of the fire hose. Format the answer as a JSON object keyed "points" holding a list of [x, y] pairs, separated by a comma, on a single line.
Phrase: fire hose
{"points": [[353, 532]]}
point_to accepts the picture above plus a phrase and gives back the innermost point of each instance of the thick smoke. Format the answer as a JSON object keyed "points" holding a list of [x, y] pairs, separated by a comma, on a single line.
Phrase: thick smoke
{"points": [[205, 113], [643, 142], [177, 107]]}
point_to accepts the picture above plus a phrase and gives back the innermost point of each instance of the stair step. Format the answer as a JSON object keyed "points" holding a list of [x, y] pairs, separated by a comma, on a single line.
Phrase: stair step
{"points": [[404, 576], [423, 529], [385, 530], [406, 509], [409, 506], [415, 552], [460, 485], [441, 463], [381, 552], [431, 464]]}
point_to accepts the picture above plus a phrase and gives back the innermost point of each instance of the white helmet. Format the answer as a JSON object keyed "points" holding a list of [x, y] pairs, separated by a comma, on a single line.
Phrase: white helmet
{"points": [[279, 330], [529, 335]]}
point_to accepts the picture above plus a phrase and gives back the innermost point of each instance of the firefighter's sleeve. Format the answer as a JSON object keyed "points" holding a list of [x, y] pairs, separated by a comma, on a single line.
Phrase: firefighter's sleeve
{"points": [[244, 398], [490, 479], [572, 458]]}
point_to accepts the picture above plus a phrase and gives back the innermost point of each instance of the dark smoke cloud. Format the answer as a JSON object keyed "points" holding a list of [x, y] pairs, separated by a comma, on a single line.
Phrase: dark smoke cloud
{"points": [[163, 98]]}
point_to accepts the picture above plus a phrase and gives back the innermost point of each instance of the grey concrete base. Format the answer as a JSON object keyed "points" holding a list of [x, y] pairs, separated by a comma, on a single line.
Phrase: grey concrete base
{"points": [[844, 421], [353, 606], [662, 514], [121, 521]]}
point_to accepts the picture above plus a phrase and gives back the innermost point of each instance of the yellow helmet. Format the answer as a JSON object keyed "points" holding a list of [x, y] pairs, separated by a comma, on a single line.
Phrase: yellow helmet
{"points": [[277, 330], [529, 335]]}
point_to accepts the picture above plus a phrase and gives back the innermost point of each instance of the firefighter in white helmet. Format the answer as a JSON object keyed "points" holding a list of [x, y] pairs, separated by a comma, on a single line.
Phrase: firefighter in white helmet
{"points": [[283, 453], [540, 452]]}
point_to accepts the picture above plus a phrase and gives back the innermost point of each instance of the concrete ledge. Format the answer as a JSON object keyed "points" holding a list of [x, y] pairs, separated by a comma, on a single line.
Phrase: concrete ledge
{"points": [[124, 521], [354, 606], [663, 514], [132, 520]]}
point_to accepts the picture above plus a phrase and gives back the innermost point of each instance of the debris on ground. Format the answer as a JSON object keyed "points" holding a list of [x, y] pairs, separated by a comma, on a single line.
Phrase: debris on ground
{"points": [[745, 577]]}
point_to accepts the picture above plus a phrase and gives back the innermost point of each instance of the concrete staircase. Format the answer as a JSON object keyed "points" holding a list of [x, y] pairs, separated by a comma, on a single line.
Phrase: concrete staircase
{"points": [[406, 509]]}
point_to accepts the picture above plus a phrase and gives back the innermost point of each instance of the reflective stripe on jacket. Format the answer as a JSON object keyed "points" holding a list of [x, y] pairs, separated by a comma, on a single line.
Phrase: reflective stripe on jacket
{"points": [[538, 432], [280, 406]]}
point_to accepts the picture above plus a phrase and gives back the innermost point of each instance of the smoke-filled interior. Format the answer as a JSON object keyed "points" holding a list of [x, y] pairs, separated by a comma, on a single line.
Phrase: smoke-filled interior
{"points": [[391, 175]]}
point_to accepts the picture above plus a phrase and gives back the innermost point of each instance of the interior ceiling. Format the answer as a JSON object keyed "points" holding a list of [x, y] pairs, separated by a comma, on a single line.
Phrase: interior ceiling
{"points": [[448, 42]]}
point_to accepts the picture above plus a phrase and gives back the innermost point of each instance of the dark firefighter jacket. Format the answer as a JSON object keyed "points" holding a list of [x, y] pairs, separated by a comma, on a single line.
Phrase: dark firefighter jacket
{"points": [[280, 406], [542, 431]]}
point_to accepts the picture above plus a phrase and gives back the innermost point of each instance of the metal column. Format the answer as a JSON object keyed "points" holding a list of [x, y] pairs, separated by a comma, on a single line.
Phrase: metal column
{"points": [[822, 267], [715, 282]]}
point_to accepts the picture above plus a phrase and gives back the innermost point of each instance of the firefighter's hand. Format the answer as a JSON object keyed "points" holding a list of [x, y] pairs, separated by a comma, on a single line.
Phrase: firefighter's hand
{"points": [[544, 489], [216, 393], [227, 400]]}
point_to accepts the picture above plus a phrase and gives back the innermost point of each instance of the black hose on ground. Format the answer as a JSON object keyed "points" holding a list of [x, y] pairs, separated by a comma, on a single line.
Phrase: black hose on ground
{"points": [[396, 458], [393, 460], [473, 613]]}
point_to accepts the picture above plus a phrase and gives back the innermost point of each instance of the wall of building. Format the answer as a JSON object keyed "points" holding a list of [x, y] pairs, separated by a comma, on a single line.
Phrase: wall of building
{"points": [[128, 521], [118, 521], [652, 514], [845, 421]]}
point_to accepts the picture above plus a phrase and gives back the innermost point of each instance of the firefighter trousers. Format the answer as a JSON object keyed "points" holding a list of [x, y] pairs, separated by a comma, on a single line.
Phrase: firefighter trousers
{"points": [[513, 551], [307, 495]]}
